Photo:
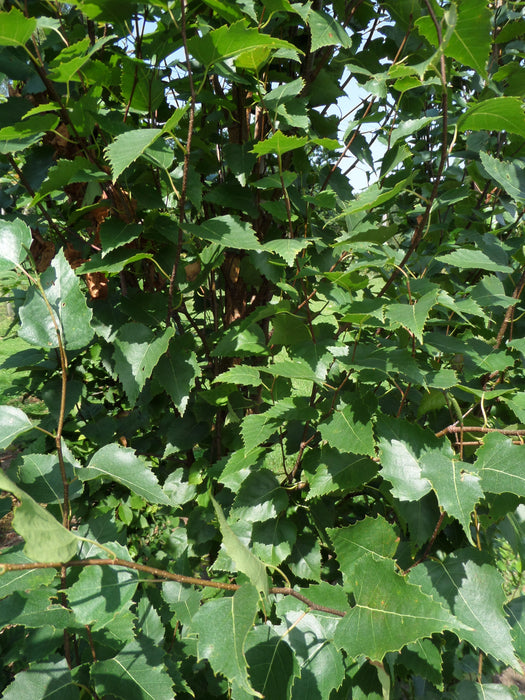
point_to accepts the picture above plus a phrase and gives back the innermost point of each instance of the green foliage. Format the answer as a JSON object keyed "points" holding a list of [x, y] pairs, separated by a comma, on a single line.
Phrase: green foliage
{"points": [[275, 448]]}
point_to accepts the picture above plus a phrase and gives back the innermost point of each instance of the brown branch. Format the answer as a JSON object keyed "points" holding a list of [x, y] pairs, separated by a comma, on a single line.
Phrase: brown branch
{"points": [[477, 429], [510, 311], [168, 575]]}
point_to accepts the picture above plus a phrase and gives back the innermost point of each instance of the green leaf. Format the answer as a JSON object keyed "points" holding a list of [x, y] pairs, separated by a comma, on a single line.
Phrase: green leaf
{"points": [[103, 592], [223, 642], [287, 248], [66, 172], [141, 86], [246, 375], [19, 136], [467, 259], [120, 464], [372, 197], [457, 489], [15, 240], [241, 555], [515, 610], [495, 114], [470, 39], [321, 665], [136, 354], [66, 66], [15, 28], [149, 622], [46, 540], [137, 670], [296, 369], [256, 429], [326, 470], [402, 446], [182, 600], [412, 316], [25, 580], [350, 429], [260, 497], [41, 477], [408, 127], [228, 231], [13, 422], [279, 143], [470, 690], [229, 41], [423, 659], [500, 465], [273, 665], [129, 146], [389, 613], [47, 679], [112, 262], [35, 608], [326, 31], [177, 371], [472, 590], [507, 174], [70, 311], [272, 540], [305, 560], [368, 537]]}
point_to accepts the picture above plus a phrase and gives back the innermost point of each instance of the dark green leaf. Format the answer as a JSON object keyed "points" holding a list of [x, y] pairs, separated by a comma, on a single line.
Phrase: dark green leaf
{"points": [[120, 464], [177, 371], [328, 470], [228, 231], [137, 352], [260, 497], [467, 259]]}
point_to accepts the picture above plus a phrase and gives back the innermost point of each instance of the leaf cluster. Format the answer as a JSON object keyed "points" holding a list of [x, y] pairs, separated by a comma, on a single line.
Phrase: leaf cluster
{"points": [[277, 449]]}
